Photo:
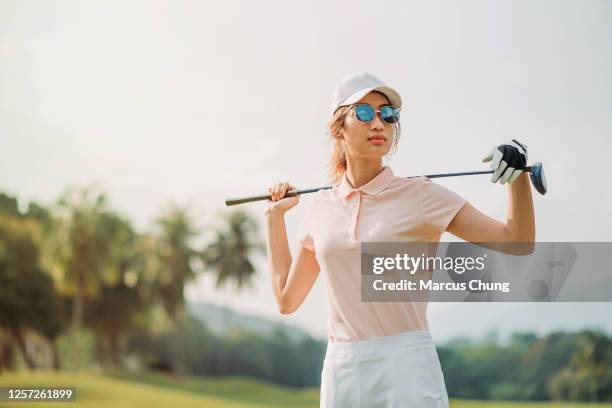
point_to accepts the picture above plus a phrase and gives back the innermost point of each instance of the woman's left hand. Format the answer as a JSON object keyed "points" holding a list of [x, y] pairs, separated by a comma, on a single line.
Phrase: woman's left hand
{"points": [[507, 161]]}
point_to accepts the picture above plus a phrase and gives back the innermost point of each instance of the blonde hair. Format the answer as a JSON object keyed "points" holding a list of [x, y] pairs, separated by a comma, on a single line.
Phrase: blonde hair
{"points": [[338, 163]]}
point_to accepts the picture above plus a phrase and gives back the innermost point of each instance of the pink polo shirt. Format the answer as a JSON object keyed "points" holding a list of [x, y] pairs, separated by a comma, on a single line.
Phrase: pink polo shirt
{"points": [[388, 208]]}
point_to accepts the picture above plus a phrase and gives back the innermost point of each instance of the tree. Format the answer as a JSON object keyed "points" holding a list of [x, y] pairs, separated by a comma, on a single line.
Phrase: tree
{"points": [[123, 289], [80, 250], [27, 295], [229, 255], [176, 256], [588, 376]]}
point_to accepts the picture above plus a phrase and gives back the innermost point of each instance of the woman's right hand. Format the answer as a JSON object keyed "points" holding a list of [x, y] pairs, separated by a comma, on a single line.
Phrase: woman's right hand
{"points": [[278, 201]]}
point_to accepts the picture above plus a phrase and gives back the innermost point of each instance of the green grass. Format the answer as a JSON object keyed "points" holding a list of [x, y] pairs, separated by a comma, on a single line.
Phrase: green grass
{"points": [[157, 390], [243, 389]]}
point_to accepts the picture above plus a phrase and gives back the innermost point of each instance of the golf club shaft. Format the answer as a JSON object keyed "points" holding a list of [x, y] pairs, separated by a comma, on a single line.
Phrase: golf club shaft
{"points": [[235, 201]]}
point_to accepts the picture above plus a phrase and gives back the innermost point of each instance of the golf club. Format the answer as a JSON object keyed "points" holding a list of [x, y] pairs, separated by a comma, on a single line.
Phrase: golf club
{"points": [[536, 174]]}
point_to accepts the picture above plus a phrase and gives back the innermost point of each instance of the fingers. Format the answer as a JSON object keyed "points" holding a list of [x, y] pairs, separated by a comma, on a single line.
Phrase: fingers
{"points": [[507, 175], [278, 190], [275, 191], [515, 175], [489, 155], [507, 161], [498, 166], [497, 160]]}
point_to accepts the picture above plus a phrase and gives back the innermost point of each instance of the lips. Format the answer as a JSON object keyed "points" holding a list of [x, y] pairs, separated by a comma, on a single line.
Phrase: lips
{"points": [[377, 137]]}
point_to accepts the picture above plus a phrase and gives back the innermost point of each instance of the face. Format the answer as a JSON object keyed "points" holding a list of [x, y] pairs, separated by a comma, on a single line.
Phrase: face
{"points": [[363, 139]]}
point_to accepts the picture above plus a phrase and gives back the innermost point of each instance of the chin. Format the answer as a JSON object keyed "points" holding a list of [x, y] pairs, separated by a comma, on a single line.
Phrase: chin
{"points": [[376, 155]]}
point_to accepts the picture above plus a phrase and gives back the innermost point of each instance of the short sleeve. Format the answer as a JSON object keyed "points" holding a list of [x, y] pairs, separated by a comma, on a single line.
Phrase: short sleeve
{"points": [[304, 235], [440, 205]]}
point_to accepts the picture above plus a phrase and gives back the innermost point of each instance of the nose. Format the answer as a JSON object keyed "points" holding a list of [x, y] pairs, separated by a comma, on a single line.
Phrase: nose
{"points": [[377, 123]]}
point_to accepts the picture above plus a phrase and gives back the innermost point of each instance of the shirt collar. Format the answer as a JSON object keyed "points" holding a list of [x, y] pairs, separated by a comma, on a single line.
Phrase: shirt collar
{"points": [[372, 187]]}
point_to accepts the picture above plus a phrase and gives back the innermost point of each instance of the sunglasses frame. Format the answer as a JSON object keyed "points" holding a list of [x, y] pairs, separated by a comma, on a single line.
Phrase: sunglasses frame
{"points": [[376, 112]]}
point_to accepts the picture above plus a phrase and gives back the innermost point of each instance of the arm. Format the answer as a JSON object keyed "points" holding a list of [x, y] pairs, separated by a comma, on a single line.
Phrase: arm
{"points": [[471, 225], [291, 281]]}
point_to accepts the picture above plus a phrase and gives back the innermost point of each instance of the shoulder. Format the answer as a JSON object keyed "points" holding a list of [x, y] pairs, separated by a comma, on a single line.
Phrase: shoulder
{"points": [[324, 194], [432, 192], [407, 183], [327, 194], [422, 187], [316, 197]]}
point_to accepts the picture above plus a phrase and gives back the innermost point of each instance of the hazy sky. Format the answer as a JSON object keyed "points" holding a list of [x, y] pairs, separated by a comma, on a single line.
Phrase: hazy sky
{"points": [[194, 102]]}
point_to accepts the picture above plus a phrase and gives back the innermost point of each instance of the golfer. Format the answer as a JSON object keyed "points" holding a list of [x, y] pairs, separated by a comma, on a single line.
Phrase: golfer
{"points": [[379, 354]]}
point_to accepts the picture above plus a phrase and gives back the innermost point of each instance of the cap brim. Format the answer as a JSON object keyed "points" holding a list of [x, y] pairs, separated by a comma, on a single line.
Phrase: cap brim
{"points": [[392, 95]]}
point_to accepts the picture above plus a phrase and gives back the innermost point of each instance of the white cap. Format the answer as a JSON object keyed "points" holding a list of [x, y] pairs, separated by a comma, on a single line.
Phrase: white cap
{"points": [[355, 86]]}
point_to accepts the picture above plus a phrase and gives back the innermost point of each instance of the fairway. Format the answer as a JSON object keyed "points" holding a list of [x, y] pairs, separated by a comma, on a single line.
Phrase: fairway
{"points": [[155, 390]]}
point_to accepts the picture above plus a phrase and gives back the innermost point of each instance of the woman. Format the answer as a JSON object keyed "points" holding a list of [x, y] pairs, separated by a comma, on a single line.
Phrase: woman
{"points": [[379, 354]]}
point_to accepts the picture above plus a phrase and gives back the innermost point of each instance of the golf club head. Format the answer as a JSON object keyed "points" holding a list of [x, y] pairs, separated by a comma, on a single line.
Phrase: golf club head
{"points": [[538, 178]]}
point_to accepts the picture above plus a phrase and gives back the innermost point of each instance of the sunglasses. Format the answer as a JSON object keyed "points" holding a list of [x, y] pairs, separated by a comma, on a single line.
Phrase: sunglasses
{"points": [[366, 113]]}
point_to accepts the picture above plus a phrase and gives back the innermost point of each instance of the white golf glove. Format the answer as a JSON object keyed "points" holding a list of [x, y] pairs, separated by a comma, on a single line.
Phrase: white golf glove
{"points": [[507, 161]]}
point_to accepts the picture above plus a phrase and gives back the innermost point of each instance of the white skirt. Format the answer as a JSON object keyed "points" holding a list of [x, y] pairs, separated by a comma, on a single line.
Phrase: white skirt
{"points": [[400, 370]]}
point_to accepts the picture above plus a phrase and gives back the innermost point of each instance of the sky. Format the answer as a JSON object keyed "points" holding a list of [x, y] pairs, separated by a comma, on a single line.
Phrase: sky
{"points": [[193, 102]]}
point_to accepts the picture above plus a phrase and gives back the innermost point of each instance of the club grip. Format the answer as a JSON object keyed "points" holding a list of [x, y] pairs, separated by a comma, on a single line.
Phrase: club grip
{"points": [[235, 201]]}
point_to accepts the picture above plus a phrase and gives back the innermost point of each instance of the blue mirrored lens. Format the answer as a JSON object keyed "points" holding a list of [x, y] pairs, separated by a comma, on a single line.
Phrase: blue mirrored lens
{"points": [[389, 114], [364, 113]]}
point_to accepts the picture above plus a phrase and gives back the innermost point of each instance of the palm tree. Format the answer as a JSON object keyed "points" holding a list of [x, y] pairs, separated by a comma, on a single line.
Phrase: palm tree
{"points": [[81, 249], [123, 288], [176, 257], [229, 255]]}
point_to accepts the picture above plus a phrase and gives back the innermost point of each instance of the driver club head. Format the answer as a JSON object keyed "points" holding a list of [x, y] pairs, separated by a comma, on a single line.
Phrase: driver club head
{"points": [[538, 178]]}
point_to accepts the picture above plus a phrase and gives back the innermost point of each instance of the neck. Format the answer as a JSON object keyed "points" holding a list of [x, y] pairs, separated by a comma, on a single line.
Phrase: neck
{"points": [[360, 172]]}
